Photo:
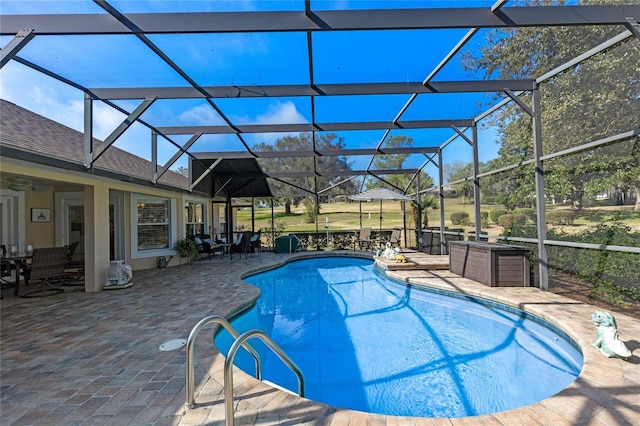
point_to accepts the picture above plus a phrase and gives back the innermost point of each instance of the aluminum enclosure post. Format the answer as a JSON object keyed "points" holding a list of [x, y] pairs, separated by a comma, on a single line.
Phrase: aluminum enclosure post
{"points": [[476, 182], [443, 243], [543, 264], [88, 130]]}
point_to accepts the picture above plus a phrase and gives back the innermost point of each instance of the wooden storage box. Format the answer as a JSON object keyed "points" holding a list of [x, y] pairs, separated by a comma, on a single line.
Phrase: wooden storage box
{"points": [[496, 265]]}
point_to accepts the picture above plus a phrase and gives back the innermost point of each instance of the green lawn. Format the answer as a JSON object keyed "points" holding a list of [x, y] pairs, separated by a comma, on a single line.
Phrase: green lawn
{"points": [[346, 216]]}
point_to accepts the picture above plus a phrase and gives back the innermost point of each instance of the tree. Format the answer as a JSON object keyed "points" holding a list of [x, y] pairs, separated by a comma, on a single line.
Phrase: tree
{"points": [[457, 170], [291, 191], [426, 202], [396, 162], [184, 171], [597, 99]]}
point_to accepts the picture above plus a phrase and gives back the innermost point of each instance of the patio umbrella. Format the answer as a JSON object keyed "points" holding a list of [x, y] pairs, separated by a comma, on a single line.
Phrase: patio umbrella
{"points": [[381, 194]]}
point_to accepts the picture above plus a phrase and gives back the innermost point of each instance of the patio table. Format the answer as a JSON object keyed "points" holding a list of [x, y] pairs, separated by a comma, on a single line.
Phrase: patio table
{"points": [[19, 262]]}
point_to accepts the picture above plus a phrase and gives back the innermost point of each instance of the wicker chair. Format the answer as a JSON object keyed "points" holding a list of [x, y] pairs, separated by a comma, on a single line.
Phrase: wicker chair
{"points": [[243, 244], [255, 243], [47, 266]]}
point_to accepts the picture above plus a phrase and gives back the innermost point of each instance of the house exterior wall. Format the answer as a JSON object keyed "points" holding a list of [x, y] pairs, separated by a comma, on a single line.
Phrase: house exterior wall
{"points": [[40, 234], [96, 205]]}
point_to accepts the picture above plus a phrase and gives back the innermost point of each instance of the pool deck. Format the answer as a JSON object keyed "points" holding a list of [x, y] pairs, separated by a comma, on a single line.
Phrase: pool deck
{"points": [[92, 358]]}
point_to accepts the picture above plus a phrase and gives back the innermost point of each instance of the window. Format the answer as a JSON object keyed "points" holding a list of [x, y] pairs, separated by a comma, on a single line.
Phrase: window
{"points": [[153, 229], [194, 218]]}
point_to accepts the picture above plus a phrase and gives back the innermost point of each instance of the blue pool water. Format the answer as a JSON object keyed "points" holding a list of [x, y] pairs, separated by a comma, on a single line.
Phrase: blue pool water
{"points": [[367, 343]]}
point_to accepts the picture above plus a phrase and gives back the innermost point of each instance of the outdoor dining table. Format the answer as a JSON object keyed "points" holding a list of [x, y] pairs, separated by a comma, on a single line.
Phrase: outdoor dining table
{"points": [[19, 261]]}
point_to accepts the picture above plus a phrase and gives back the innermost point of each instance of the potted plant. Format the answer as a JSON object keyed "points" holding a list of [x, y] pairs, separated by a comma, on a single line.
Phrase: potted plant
{"points": [[186, 247]]}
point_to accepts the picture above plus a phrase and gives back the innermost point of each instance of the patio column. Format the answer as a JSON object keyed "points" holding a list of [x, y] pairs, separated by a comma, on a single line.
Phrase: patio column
{"points": [[96, 236]]}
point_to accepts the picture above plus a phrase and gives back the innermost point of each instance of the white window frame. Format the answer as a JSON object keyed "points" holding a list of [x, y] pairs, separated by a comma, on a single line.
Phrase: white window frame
{"points": [[173, 215], [205, 214]]}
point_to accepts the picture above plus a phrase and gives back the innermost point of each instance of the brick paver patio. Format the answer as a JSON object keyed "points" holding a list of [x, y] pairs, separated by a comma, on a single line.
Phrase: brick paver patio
{"points": [[93, 358]]}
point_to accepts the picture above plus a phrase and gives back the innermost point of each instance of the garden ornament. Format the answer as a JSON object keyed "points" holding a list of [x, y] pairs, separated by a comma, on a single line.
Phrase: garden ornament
{"points": [[389, 252], [401, 258], [378, 251], [607, 331]]}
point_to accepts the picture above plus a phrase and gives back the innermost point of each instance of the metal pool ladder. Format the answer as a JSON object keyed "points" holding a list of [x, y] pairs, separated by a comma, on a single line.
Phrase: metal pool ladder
{"points": [[240, 341]]}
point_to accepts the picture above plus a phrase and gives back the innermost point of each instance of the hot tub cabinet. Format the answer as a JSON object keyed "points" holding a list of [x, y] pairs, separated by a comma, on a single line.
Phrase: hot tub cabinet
{"points": [[496, 265]]}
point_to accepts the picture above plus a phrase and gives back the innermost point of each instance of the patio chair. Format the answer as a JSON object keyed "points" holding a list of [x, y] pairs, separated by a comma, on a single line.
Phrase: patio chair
{"points": [[47, 266], [364, 240], [73, 269], [255, 243], [395, 237], [5, 271], [206, 246], [242, 244]]}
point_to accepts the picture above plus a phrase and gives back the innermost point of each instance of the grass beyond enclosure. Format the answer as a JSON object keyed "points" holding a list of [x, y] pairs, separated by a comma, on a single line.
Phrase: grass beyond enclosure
{"points": [[345, 216]]}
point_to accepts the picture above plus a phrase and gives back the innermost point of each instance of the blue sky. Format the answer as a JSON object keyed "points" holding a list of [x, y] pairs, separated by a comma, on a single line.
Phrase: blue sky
{"points": [[244, 59]]}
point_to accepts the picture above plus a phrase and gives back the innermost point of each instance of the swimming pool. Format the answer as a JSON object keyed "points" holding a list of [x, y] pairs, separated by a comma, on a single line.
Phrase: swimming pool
{"points": [[365, 342]]}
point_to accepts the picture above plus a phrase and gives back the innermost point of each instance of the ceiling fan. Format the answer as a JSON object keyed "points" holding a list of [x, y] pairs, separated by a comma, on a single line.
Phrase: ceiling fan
{"points": [[18, 184], [21, 184]]}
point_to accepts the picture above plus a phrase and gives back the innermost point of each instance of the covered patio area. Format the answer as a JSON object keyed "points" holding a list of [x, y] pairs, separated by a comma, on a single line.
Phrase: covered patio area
{"points": [[94, 358]]}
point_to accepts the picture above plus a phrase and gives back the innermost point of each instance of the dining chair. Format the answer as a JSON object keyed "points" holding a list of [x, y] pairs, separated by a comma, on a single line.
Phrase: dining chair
{"points": [[47, 267], [5, 269]]}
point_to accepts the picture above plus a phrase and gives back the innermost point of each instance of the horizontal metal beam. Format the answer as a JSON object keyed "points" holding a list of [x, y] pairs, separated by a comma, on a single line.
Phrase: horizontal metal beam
{"points": [[309, 173], [335, 173], [308, 127], [322, 20], [234, 155], [293, 90]]}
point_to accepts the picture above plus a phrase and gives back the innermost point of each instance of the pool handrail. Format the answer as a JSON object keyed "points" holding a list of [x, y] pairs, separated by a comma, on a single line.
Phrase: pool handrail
{"points": [[228, 368], [190, 385]]}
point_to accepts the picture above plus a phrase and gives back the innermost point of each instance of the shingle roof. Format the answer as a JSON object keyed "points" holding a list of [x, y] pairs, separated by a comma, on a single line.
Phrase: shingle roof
{"points": [[25, 130]]}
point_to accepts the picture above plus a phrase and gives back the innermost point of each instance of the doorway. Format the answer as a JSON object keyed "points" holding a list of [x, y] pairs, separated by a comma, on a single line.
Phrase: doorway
{"points": [[12, 220], [70, 224]]}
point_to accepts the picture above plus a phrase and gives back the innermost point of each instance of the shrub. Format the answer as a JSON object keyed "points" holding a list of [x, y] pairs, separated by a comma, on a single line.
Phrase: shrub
{"points": [[186, 247], [459, 218], [560, 217], [495, 214], [309, 212], [484, 218], [603, 268], [508, 221], [271, 233], [529, 213]]}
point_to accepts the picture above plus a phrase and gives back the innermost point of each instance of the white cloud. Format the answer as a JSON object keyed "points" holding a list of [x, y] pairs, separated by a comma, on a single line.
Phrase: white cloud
{"points": [[203, 115], [277, 113], [281, 113], [42, 95], [105, 120], [64, 104]]}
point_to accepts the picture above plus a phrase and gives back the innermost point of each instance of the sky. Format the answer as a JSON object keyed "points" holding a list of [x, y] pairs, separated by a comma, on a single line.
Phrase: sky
{"points": [[245, 59]]}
